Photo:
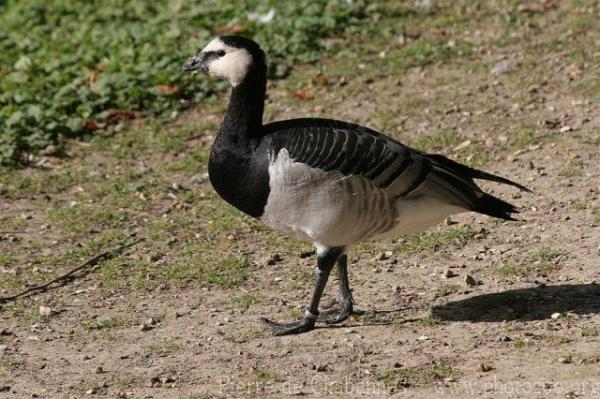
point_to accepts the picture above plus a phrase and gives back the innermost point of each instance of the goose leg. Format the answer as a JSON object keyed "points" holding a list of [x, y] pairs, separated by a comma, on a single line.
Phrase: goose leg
{"points": [[344, 306], [325, 262]]}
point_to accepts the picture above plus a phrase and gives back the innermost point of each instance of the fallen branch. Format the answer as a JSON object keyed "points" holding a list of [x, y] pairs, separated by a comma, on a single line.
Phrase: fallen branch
{"points": [[90, 262]]}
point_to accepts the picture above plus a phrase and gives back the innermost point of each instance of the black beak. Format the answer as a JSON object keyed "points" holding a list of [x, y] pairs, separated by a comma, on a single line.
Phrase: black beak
{"points": [[196, 63]]}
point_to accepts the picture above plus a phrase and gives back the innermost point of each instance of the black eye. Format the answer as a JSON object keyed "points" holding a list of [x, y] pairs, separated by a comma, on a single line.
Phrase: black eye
{"points": [[220, 53]]}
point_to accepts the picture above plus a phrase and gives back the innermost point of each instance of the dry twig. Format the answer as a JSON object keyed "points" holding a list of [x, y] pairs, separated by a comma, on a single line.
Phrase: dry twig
{"points": [[90, 262]]}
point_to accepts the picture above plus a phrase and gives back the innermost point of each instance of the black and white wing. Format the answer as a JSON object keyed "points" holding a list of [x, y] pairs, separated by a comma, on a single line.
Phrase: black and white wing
{"points": [[401, 171]]}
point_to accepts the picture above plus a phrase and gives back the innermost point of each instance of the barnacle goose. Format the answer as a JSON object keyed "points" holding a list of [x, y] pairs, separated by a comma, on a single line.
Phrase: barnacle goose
{"points": [[330, 182]]}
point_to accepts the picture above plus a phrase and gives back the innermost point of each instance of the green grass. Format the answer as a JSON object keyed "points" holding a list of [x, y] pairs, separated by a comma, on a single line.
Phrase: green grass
{"points": [[265, 375], [439, 141], [524, 138], [70, 68], [572, 168], [98, 323], [162, 348], [427, 50], [197, 263], [229, 272], [127, 381], [82, 218], [302, 274], [520, 343], [590, 331], [245, 334], [456, 146], [590, 87], [6, 260], [7, 364], [434, 240], [245, 300], [19, 184], [578, 206], [446, 289], [408, 376], [431, 320], [543, 260], [11, 283]]}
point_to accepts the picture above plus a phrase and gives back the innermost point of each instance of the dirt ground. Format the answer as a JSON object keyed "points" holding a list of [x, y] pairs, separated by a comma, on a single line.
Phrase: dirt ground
{"points": [[528, 327]]}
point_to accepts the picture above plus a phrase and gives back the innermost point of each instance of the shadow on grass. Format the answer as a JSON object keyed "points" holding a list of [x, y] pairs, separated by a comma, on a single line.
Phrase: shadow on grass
{"points": [[523, 304]]}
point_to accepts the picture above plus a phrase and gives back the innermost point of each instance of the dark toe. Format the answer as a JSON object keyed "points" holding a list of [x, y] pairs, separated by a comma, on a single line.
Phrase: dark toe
{"points": [[297, 327]]}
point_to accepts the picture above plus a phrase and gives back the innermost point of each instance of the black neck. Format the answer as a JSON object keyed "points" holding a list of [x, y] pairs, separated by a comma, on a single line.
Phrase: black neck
{"points": [[237, 171], [243, 119]]}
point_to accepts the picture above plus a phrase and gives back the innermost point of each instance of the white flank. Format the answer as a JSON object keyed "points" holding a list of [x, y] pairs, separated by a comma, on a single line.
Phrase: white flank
{"points": [[332, 210]]}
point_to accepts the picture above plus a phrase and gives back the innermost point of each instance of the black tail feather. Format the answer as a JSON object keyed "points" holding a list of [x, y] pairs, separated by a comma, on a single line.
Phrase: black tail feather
{"points": [[492, 206], [480, 174], [473, 173]]}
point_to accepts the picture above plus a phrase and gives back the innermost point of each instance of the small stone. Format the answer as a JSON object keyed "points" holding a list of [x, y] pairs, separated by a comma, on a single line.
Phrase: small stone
{"points": [[381, 256], [149, 324], [6, 331], [321, 368], [502, 68], [3, 349], [565, 129], [484, 368], [154, 257], [314, 365], [450, 222], [275, 258], [424, 5], [167, 378], [449, 274], [555, 315], [307, 254], [470, 281], [278, 279], [155, 381], [45, 311], [199, 179], [423, 338], [565, 359]]}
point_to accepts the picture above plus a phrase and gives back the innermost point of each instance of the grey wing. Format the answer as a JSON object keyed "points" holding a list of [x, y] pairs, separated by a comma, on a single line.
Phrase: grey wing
{"points": [[400, 171]]}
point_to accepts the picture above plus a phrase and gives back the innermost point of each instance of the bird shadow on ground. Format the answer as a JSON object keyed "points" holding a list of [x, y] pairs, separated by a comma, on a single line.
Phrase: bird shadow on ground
{"points": [[524, 304]]}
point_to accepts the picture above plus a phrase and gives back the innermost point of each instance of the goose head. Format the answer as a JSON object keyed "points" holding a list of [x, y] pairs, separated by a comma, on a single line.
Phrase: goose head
{"points": [[231, 58]]}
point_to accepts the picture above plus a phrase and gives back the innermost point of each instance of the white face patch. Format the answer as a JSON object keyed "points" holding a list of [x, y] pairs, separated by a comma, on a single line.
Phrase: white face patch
{"points": [[233, 66]]}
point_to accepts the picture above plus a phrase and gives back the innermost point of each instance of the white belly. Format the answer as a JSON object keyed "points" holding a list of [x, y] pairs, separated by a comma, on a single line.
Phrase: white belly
{"points": [[338, 211]]}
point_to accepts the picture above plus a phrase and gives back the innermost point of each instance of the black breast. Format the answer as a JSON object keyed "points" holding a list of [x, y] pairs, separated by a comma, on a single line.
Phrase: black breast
{"points": [[241, 177]]}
